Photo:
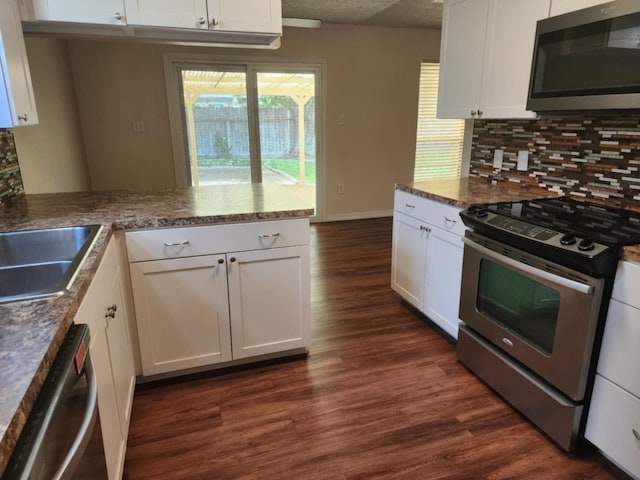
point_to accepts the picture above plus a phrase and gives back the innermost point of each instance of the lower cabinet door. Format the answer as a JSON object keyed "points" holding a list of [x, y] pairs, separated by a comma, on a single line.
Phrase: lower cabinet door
{"points": [[124, 378], [113, 439], [614, 424], [443, 275], [408, 256], [182, 312], [269, 300]]}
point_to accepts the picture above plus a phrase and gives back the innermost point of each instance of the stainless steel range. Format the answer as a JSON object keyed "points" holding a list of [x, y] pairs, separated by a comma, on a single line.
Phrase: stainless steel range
{"points": [[536, 282]]}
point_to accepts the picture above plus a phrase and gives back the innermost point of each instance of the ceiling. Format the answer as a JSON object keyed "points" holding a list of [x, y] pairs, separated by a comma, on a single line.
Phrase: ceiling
{"points": [[387, 13]]}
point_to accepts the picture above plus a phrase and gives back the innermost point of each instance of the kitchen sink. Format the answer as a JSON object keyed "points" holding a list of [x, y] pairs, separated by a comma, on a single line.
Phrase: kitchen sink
{"points": [[42, 263]]}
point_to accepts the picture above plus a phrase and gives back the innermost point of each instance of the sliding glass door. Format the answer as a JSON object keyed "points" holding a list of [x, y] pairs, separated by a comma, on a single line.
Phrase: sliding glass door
{"points": [[250, 124]]}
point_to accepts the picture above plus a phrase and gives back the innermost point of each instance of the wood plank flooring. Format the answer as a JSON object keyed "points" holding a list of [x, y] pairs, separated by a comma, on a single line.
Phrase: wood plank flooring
{"points": [[380, 396]]}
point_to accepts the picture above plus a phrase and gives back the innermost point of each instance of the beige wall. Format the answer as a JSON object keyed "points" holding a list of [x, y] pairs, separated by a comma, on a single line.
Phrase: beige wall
{"points": [[371, 78], [51, 154]]}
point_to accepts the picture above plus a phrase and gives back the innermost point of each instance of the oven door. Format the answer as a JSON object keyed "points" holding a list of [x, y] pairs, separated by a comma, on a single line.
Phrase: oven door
{"points": [[538, 312]]}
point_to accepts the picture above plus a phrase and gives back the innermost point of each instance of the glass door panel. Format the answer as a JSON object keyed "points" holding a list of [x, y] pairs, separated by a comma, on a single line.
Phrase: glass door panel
{"points": [[215, 103], [287, 114]]}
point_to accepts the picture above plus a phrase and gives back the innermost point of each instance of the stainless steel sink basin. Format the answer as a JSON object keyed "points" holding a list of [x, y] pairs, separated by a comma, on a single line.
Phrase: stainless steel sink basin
{"points": [[42, 263]]}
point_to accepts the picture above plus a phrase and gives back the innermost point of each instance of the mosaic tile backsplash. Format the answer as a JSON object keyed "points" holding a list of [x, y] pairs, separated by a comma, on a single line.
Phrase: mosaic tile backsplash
{"points": [[10, 178], [583, 156]]}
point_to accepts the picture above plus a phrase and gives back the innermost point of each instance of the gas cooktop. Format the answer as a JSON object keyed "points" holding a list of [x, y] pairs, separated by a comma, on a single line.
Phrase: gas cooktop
{"points": [[583, 235]]}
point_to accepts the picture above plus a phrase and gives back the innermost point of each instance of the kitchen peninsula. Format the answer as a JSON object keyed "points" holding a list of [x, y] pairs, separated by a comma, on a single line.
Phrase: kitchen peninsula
{"points": [[31, 332]]}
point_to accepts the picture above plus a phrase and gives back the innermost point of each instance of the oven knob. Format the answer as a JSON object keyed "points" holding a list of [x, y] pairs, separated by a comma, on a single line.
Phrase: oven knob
{"points": [[481, 212], [568, 239], [585, 245]]}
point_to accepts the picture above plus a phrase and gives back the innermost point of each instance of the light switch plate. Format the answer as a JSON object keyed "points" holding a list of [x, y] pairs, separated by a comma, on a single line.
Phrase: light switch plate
{"points": [[497, 158], [523, 160]]}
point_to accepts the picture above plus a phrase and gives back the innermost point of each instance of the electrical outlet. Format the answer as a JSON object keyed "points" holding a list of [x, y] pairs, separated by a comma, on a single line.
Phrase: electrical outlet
{"points": [[138, 126], [340, 188], [497, 158], [523, 160]]}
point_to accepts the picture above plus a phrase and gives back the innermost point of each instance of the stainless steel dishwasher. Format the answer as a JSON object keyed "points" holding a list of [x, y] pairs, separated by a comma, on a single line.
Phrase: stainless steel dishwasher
{"points": [[62, 437]]}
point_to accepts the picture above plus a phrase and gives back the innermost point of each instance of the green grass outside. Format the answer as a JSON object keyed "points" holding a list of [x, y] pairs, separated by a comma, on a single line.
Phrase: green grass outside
{"points": [[290, 167]]}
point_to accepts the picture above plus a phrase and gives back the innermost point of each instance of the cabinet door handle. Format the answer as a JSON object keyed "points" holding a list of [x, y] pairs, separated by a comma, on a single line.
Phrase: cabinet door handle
{"points": [[268, 235], [425, 228], [214, 22], [473, 113], [202, 20], [408, 205], [22, 117], [177, 244], [636, 433], [118, 16], [479, 113], [232, 259], [221, 261], [111, 311], [447, 219]]}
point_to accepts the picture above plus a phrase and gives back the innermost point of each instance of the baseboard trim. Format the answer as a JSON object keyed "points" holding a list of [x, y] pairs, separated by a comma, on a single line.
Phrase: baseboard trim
{"points": [[357, 215]]}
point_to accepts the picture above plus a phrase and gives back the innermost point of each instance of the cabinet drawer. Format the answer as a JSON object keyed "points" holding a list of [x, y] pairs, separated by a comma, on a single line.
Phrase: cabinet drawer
{"points": [[435, 213], [620, 347], [613, 415], [144, 245], [625, 287]]}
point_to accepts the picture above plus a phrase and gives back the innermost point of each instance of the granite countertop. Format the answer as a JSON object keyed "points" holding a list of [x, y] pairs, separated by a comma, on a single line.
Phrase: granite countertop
{"points": [[462, 192], [31, 332]]}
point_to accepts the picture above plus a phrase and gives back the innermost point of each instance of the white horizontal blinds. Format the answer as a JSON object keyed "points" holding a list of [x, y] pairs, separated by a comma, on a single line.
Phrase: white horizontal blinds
{"points": [[438, 142]]}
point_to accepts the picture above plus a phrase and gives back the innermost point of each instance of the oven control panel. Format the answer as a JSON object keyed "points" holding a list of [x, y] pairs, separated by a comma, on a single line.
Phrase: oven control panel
{"points": [[476, 216], [522, 228]]}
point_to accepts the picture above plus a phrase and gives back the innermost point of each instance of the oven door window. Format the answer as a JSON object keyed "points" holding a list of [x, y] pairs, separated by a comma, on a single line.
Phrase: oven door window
{"points": [[518, 303]]}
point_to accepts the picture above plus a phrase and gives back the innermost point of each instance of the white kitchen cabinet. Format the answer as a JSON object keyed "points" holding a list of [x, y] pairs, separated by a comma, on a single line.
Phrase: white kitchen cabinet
{"points": [[99, 12], [558, 7], [105, 312], [182, 311], [214, 294], [613, 423], [443, 277], [268, 300], [408, 258], [257, 16], [426, 259], [485, 57], [17, 101]]}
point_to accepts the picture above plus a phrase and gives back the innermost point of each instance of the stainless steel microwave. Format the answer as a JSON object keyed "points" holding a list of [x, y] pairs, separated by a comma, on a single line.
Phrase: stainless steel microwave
{"points": [[587, 60]]}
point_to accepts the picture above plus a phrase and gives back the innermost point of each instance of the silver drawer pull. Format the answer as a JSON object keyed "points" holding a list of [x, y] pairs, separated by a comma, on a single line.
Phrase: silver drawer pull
{"points": [[636, 433], [268, 235], [408, 205], [177, 244], [447, 219], [507, 342]]}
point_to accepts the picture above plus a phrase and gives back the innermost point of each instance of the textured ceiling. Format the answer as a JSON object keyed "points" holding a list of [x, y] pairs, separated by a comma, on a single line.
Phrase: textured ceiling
{"points": [[388, 13]]}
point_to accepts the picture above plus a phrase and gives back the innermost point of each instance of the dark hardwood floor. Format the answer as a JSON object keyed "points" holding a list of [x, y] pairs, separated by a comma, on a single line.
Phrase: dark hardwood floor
{"points": [[380, 396]]}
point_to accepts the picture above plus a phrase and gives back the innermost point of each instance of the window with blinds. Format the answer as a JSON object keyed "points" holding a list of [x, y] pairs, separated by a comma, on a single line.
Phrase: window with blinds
{"points": [[439, 142]]}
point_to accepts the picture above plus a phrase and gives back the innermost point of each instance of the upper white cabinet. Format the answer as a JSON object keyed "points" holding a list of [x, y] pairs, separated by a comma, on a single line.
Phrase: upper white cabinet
{"points": [[485, 57], [264, 16], [103, 12], [558, 7], [17, 101], [258, 16]]}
